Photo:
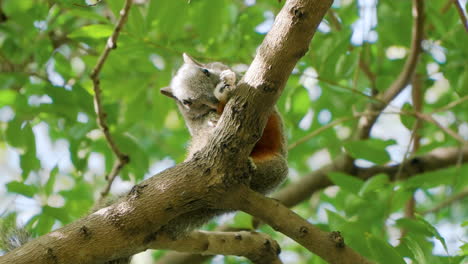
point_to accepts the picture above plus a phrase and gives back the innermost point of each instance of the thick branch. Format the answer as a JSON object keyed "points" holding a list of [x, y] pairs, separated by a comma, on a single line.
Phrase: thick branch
{"points": [[437, 159], [329, 246], [124, 228]]}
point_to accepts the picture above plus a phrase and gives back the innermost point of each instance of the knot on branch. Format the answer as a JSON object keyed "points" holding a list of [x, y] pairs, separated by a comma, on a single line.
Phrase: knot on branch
{"points": [[124, 159], [51, 256], [85, 232], [303, 231], [298, 13], [337, 238], [137, 190], [268, 87], [150, 238]]}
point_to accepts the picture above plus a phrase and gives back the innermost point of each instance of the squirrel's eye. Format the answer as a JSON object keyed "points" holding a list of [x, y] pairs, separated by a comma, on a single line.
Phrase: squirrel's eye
{"points": [[187, 102], [206, 72]]}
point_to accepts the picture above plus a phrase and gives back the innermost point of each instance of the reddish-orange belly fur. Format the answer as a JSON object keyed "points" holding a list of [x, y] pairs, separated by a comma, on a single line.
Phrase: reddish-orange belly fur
{"points": [[270, 142]]}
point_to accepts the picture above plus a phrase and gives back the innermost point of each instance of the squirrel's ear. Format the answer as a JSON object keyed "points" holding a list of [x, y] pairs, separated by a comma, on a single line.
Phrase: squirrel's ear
{"points": [[167, 91], [190, 60]]}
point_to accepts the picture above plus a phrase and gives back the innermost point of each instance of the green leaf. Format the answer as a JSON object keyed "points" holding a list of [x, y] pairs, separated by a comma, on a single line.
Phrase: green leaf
{"points": [[29, 162], [335, 220], [7, 97], [434, 232], [417, 251], [12, 7], [462, 87], [371, 149], [383, 82], [346, 64], [421, 226], [436, 178], [49, 186], [407, 120], [92, 31], [464, 249], [346, 182], [58, 213], [373, 184], [382, 251], [44, 224], [21, 188], [16, 133]]}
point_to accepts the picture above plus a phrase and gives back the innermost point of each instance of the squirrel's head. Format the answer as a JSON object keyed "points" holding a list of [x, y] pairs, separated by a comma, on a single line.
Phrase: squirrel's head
{"points": [[193, 85]]}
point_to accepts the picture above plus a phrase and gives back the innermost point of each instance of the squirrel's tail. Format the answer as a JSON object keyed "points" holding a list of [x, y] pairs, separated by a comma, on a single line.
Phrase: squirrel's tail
{"points": [[12, 236]]}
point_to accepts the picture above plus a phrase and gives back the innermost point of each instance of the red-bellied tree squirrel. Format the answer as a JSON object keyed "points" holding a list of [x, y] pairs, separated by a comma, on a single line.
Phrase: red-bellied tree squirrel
{"points": [[201, 91]]}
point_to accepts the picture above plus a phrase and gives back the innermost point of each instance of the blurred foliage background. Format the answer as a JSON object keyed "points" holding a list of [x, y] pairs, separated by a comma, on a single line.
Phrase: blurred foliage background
{"points": [[53, 157]]}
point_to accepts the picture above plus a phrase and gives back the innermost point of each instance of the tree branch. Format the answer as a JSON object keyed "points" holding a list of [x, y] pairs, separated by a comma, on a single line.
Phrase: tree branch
{"points": [[450, 132], [461, 14], [417, 96], [439, 158], [366, 123], [298, 191], [328, 245], [258, 247], [122, 159], [457, 197]]}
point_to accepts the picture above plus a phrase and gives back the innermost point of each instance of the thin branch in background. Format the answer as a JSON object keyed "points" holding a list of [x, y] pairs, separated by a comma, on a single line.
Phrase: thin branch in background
{"points": [[351, 89], [457, 197], [450, 132], [451, 104], [320, 130], [333, 18], [367, 71], [367, 122], [461, 13], [122, 159], [88, 5], [417, 95]]}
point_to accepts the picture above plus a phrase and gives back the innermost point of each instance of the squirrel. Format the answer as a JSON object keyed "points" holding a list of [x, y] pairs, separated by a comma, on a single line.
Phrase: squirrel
{"points": [[201, 92]]}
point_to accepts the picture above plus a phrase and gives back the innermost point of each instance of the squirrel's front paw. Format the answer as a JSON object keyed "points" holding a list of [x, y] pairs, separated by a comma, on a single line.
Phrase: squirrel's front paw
{"points": [[226, 85], [228, 77]]}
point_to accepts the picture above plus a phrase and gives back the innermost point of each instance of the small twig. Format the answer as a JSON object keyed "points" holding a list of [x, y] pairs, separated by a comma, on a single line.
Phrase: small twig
{"points": [[447, 130], [417, 95], [461, 13], [457, 197], [451, 104], [320, 130], [333, 17], [123, 159], [330, 82], [367, 71], [366, 123]]}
